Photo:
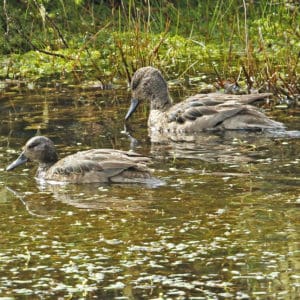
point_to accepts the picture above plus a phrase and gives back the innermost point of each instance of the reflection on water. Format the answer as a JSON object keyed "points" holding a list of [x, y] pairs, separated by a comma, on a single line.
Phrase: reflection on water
{"points": [[224, 226]]}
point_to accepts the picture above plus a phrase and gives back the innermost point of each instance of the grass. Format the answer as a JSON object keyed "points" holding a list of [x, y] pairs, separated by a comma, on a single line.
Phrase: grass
{"points": [[254, 43]]}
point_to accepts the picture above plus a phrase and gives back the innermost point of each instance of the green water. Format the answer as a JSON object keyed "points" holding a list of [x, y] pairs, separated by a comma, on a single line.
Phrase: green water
{"points": [[225, 225]]}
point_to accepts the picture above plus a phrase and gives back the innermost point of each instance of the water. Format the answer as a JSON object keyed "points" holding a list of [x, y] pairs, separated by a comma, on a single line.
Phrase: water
{"points": [[225, 225]]}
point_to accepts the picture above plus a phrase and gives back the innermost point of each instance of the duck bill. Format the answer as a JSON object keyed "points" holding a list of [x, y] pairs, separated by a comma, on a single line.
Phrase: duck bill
{"points": [[22, 159], [134, 104]]}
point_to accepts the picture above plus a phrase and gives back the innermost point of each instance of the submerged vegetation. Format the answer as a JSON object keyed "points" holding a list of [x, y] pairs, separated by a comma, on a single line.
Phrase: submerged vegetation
{"points": [[253, 42]]}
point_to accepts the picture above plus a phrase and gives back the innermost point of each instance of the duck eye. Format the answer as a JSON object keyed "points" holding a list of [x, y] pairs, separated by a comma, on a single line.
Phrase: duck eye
{"points": [[32, 145]]}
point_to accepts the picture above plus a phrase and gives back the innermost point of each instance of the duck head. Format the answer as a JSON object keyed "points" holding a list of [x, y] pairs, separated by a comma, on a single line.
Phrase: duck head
{"points": [[148, 84], [38, 148]]}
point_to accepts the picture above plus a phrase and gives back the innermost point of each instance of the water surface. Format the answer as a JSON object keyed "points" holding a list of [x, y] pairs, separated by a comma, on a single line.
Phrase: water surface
{"points": [[225, 225]]}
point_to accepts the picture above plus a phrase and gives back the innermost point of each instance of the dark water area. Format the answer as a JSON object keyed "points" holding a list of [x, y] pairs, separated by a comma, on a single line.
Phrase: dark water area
{"points": [[225, 225]]}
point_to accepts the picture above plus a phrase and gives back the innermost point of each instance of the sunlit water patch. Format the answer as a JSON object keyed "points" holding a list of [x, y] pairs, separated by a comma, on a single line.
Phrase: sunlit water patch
{"points": [[225, 225]]}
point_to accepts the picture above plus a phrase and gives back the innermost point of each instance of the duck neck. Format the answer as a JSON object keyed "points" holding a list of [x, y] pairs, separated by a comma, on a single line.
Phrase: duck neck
{"points": [[48, 161], [161, 103]]}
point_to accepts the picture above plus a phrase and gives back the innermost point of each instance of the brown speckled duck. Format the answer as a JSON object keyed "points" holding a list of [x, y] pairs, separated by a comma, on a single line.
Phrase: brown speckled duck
{"points": [[95, 165], [201, 112]]}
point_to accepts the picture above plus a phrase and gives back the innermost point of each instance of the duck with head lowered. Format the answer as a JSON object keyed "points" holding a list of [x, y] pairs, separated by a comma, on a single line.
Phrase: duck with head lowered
{"points": [[201, 112], [90, 166]]}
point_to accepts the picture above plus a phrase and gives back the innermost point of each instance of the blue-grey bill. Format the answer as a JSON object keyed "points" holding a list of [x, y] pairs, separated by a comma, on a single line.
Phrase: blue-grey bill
{"points": [[134, 104], [19, 161]]}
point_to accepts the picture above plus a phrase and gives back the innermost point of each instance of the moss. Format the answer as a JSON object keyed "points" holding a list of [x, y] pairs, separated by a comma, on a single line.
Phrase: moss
{"points": [[104, 40]]}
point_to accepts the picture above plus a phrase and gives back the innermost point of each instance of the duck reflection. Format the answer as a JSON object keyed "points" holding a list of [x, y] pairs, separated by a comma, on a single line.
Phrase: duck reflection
{"points": [[229, 147], [103, 197], [46, 199]]}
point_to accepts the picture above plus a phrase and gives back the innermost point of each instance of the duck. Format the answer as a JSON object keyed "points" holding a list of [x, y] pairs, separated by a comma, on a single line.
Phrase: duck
{"points": [[89, 166], [201, 112]]}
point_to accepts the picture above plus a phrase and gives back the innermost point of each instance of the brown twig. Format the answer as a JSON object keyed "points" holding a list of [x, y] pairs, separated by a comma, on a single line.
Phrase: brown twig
{"points": [[287, 86], [220, 80], [41, 50], [248, 78], [124, 61], [157, 46], [34, 47], [93, 37], [53, 25]]}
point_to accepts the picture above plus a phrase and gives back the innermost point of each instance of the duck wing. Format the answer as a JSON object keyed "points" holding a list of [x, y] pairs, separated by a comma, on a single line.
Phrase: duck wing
{"points": [[227, 115], [205, 104], [97, 165], [213, 99], [101, 155], [203, 116]]}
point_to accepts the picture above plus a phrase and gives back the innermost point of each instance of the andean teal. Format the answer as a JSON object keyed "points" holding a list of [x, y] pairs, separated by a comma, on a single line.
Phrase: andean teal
{"points": [[95, 165], [214, 111]]}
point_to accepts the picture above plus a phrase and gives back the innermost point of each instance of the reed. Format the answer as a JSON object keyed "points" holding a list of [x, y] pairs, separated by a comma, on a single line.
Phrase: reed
{"points": [[253, 42]]}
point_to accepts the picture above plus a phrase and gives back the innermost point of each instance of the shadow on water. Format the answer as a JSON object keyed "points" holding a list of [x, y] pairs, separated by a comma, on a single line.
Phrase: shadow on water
{"points": [[225, 225]]}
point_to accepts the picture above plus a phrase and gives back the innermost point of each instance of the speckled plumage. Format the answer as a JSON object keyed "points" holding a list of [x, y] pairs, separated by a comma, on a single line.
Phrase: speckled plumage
{"points": [[214, 111], [95, 165]]}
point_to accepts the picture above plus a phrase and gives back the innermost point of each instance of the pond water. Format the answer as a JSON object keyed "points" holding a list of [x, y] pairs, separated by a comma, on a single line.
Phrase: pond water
{"points": [[225, 225]]}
